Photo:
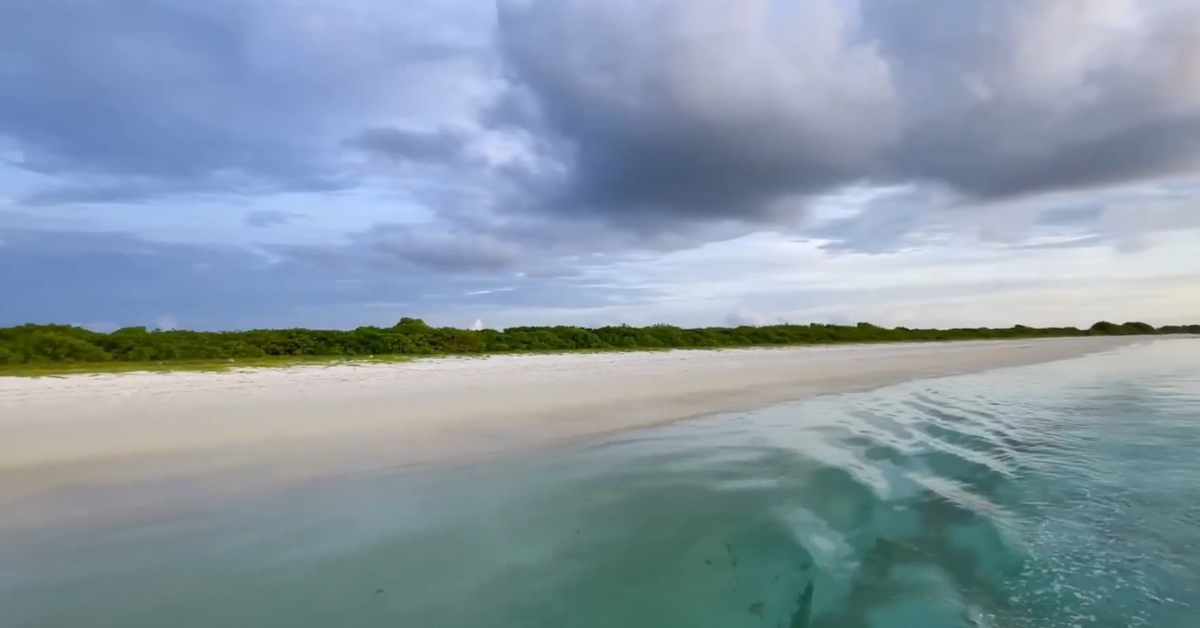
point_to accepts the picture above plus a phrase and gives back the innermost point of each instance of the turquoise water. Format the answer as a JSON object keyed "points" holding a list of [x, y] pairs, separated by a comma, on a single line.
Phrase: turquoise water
{"points": [[1059, 496]]}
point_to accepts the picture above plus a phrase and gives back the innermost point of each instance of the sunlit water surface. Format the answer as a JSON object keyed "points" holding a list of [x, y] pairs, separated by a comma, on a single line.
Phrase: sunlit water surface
{"points": [[1059, 496]]}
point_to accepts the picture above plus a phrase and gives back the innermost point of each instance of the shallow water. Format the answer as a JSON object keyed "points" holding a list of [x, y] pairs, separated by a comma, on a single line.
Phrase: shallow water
{"points": [[1061, 495]]}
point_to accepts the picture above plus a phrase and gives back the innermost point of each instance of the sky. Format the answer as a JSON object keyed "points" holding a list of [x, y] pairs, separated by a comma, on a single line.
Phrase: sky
{"points": [[236, 164]]}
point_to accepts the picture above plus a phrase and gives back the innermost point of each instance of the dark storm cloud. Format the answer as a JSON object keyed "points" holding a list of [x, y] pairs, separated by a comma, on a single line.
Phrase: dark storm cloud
{"points": [[705, 110], [657, 121], [1030, 96], [650, 125]]}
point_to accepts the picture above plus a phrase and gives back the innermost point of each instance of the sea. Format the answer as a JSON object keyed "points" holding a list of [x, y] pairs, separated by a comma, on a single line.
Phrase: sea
{"points": [[1062, 495]]}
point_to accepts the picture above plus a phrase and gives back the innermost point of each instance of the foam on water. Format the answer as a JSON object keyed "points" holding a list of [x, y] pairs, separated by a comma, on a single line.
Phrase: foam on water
{"points": [[1055, 496]]}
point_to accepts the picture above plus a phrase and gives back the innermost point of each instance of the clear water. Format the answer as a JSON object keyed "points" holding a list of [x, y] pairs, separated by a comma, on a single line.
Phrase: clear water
{"points": [[1059, 496]]}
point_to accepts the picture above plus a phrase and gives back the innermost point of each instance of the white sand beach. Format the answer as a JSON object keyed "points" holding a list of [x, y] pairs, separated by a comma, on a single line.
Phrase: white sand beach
{"points": [[61, 434]]}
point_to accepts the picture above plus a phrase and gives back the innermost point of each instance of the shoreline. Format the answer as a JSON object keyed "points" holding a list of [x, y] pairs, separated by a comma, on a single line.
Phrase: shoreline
{"points": [[242, 429]]}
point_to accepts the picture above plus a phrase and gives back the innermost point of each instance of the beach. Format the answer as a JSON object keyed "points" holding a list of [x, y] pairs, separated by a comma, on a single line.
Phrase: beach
{"points": [[309, 422], [564, 490]]}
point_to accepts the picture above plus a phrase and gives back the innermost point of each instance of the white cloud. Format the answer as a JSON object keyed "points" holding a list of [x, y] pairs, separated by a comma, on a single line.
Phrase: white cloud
{"points": [[767, 277]]}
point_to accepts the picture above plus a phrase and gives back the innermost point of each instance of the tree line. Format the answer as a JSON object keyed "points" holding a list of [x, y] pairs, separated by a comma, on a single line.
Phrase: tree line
{"points": [[38, 344]]}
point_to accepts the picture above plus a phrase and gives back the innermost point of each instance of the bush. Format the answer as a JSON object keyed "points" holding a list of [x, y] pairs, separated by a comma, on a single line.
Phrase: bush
{"points": [[411, 336]]}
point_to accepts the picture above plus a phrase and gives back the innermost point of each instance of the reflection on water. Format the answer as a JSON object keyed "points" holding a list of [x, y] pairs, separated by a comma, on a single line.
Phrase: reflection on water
{"points": [[1056, 496]]}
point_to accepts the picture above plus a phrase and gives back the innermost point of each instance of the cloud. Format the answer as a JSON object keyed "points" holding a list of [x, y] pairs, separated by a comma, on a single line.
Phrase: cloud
{"points": [[593, 156], [154, 97], [264, 218], [209, 286], [1135, 226], [420, 146], [680, 121], [445, 251], [673, 111], [1032, 96], [762, 278], [767, 278], [883, 222], [404, 246]]}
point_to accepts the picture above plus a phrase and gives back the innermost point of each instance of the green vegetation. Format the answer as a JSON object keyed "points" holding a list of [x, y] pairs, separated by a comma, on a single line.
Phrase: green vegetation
{"points": [[39, 349]]}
